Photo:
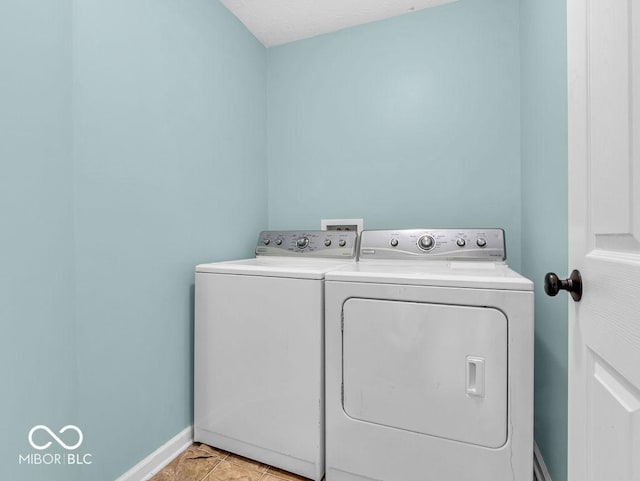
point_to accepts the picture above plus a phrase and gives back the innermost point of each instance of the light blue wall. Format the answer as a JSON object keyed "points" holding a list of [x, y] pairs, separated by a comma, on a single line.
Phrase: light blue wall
{"points": [[411, 121], [544, 212], [37, 349], [169, 112], [133, 147]]}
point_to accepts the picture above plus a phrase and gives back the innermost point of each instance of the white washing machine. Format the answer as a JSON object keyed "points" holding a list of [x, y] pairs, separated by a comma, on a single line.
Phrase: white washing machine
{"points": [[259, 349], [429, 360]]}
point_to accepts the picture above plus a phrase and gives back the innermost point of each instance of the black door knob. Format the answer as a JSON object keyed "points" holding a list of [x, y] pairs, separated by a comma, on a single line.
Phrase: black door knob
{"points": [[553, 285]]}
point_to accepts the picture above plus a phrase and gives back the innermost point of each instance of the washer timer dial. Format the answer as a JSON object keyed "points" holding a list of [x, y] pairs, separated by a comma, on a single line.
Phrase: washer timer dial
{"points": [[302, 242]]}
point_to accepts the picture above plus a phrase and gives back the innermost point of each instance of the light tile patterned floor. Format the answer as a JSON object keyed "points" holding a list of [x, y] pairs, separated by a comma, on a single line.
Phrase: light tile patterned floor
{"points": [[203, 463]]}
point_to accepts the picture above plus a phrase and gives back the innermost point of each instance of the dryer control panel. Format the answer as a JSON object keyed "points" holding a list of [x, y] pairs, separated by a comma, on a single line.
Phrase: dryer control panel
{"points": [[309, 243], [449, 244]]}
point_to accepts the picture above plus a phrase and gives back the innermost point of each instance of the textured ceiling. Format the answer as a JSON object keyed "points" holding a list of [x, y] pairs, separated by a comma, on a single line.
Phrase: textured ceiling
{"points": [[275, 22]]}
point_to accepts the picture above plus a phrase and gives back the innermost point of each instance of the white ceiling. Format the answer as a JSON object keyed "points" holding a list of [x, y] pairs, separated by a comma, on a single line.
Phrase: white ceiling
{"points": [[275, 22]]}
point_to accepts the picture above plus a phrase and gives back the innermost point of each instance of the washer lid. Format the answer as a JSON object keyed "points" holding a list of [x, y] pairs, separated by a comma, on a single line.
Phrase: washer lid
{"points": [[299, 268], [479, 275]]}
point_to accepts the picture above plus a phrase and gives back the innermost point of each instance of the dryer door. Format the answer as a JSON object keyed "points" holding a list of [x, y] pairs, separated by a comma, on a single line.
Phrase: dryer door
{"points": [[439, 370]]}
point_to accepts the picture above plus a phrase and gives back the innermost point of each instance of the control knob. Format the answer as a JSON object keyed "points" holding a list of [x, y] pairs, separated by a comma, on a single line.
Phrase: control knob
{"points": [[327, 242], [302, 242], [481, 242], [461, 242], [426, 242], [342, 243], [266, 242], [394, 242]]}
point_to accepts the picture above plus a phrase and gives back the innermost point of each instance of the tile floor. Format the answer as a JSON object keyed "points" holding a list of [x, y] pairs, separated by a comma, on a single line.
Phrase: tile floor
{"points": [[200, 462]]}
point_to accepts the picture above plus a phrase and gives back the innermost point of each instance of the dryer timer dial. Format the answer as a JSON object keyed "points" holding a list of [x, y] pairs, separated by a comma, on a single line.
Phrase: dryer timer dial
{"points": [[426, 242]]}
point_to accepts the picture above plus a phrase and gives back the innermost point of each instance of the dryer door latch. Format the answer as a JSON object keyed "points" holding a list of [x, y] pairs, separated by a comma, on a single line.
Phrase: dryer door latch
{"points": [[475, 376]]}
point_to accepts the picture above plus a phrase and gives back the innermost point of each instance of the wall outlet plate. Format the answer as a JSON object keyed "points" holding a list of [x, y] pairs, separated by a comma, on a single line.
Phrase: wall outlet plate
{"points": [[356, 225]]}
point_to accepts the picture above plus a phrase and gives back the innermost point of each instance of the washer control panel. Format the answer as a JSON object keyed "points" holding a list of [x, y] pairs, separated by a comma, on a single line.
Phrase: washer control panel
{"points": [[309, 243], [451, 244]]}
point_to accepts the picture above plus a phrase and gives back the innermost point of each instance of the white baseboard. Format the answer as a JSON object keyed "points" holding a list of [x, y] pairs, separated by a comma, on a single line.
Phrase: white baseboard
{"points": [[540, 471], [158, 459]]}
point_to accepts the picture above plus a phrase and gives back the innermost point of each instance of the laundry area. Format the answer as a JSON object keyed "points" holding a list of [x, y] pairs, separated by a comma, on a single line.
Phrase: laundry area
{"points": [[285, 240]]}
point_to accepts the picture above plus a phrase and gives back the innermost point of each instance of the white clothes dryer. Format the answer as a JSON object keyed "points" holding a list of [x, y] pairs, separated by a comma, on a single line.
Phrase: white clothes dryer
{"points": [[259, 349], [429, 360]]}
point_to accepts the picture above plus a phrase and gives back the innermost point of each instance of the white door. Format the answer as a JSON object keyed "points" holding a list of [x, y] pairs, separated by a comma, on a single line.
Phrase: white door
{"points": [[604, 239]]}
